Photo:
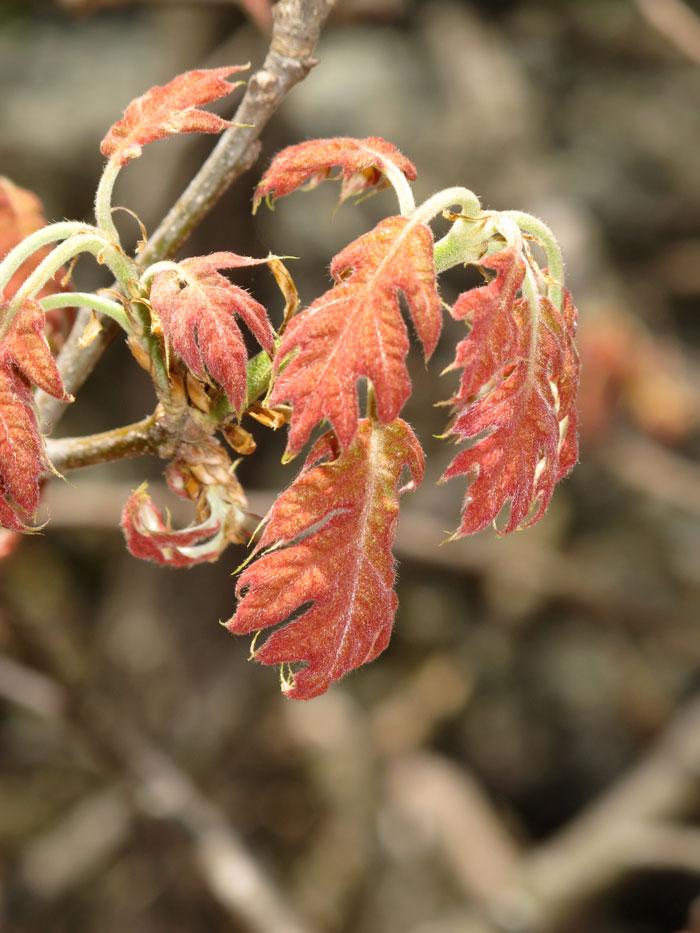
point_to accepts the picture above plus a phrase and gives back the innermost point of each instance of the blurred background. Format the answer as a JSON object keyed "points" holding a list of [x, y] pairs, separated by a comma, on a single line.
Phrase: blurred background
{"points": [[525, 756]]}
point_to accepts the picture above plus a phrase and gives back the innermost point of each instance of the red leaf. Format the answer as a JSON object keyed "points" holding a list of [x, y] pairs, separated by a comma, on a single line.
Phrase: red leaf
{"points": [[356, 329], [198, 310], [493, 337], [328, 541], [363, 163], [528, 411], [150, 538], [25, 358], [172, 108]]}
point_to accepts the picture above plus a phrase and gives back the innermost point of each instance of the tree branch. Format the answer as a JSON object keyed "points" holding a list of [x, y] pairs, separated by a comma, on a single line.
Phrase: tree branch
{"points": [[142, 438], [296, 29]]}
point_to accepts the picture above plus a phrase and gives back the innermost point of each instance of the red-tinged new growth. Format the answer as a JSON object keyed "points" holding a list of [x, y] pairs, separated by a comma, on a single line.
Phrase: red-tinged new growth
{"points": [[364, 164], [170, 109], [355, 329], [521, 364], [327, 540], [202, 474], [198, 306], [25, 359]]}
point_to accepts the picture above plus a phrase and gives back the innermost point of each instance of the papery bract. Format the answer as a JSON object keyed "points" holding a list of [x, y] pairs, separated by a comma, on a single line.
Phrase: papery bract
{"points": [[327, 540], [355, 329], [363, 163], [169, 109], [198, 306]]}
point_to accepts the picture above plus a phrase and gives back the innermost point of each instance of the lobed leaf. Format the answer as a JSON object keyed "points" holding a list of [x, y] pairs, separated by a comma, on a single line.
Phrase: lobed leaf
{"points": [[169, 109], [198, 307], [327, 541], [524, 422], [363, 163], [355, 329], [493, 336], [25, 358]]}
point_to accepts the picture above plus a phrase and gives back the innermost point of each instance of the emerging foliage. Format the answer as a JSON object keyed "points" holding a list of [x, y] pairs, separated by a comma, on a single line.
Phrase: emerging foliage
{"points": [[322, 567], [167, 110], [356, 330], [364, 164], [197, 307], [327, 540], [25, 360]]}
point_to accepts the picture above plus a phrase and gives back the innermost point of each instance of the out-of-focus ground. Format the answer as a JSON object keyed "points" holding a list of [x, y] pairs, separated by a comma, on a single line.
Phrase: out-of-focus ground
{"points": [[526, 754]]}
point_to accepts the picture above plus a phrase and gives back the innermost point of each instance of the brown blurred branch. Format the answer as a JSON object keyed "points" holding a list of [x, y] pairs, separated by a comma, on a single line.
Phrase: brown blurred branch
{"points": [[676, 22], [629, 828], [159, 788], [296, 29]]}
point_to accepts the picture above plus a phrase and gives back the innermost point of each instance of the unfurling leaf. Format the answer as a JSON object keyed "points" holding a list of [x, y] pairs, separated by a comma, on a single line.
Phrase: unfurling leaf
{"points": [[198, 306], [170, 109], [522, 361], [355, 329], [25, 358], [327, 541], [363, 164], [203, 474]]}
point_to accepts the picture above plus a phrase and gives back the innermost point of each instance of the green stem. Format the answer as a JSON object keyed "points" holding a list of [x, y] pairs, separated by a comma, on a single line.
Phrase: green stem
{"points": [[87, 300], [103, 200], [122, 268], [50, 234], [555, 262]]}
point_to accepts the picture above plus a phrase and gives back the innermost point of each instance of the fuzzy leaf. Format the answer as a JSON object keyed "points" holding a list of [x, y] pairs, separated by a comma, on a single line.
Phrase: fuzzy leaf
{"points": [[525, 421], [198, 310], [355, 329], [149, 537], [169, 109], [25, 358], [362, 162], [327, 541], [493, 337]]}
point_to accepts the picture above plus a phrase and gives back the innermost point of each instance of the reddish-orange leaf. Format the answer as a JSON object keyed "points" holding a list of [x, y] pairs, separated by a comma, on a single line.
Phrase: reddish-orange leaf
{"points": [[356, 329], [525, 423], [198, 308], [170, 109], [25, 358], [149, 537], [493, 337], [327, 541], [363, 163]]}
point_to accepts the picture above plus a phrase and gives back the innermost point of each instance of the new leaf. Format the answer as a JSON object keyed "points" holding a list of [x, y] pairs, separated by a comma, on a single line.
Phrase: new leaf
{"points": [[327, 541], [363, 163], [25, 358], [198, 307], [170, 109], [355, 329], [523, 424]]}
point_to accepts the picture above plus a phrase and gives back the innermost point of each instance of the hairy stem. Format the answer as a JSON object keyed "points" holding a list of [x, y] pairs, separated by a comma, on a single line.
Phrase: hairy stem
{"points": [[103, 200], [297, 26], [29, 245], [112, 309]]}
